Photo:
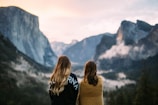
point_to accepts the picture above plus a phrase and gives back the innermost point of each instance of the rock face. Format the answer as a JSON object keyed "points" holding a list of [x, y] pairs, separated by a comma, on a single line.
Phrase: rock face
{"points": [[83, 50], [133, 43], [107, 41], [22, 29], [131, 32]]}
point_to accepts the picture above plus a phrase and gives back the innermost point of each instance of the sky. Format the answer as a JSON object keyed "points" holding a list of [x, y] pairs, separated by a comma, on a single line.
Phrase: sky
{"points": [[67, 20]]}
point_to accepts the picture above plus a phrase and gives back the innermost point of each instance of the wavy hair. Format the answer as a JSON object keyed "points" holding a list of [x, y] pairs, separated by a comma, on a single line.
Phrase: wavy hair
{"points": [[90, 73], [60, 75]]}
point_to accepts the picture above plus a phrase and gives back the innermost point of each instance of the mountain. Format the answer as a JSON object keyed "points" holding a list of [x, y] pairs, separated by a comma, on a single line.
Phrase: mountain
{"points": [[107, 41], [135, 42], [20, 77], [60, 47], [22, 29], [83, 50], [131, 32]]}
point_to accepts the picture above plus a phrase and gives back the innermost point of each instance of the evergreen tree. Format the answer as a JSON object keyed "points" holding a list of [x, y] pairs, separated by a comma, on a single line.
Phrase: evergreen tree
{"points": [[155, 95], [120, 99], [111, 100], [143, 92]]}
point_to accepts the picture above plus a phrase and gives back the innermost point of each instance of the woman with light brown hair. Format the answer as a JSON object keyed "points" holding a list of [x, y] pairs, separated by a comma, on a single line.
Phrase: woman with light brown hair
{"points": [[91, 86], [63, 84]]}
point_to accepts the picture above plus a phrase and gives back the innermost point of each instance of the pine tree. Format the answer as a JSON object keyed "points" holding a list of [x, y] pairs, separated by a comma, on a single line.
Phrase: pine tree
{"points": [[111, 100], [143, 92]]}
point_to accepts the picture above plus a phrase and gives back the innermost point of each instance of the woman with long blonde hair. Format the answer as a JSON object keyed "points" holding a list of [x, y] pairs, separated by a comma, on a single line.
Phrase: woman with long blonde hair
{"points": [[63, 84], [91, 86]]}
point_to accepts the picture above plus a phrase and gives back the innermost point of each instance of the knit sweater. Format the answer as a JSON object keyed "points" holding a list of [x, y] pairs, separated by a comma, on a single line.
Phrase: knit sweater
{"points": [[91, 95]]}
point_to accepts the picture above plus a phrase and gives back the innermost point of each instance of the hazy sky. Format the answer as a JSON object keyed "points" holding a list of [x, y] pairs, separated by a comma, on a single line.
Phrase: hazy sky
{"points": [[65, 20]]}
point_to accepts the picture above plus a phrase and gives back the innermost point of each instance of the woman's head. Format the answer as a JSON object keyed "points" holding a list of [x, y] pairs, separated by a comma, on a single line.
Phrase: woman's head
{"points": [[90, 73], [63, 64], [60, 74]]}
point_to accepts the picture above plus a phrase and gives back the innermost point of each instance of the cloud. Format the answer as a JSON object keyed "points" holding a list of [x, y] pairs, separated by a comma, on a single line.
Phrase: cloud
{"points": [[133, 52], [117, 50], [142, 52]]}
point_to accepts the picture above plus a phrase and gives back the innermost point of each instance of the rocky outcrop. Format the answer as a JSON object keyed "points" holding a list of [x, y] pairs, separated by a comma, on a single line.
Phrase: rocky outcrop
{"points": [[107, 41], [135, 42], [22, 29], [132, 32]]}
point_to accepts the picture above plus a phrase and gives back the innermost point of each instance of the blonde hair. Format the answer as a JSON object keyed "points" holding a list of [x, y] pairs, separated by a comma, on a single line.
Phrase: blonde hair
{"points": [[90, 73], [60, 74]]}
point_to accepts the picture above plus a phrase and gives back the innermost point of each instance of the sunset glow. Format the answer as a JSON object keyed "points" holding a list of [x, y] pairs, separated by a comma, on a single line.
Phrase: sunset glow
{"points": [[65, 20]]}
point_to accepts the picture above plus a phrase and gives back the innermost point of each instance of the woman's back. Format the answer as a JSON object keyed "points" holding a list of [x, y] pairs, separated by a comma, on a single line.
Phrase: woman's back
{"points": [[63, 84], [90, 94], [69, 95]]}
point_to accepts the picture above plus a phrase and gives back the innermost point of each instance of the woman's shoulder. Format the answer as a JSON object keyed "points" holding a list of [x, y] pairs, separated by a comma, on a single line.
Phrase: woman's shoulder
{"points": [[72, 79], [82, 81], [100, 77], [72, 75], [100, 80]]}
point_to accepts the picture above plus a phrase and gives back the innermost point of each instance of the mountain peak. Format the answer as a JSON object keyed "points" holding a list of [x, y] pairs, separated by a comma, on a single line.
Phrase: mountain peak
{"points": [[15, 9], [74, 41], [132, 32], [143, 25], [22, 29]]}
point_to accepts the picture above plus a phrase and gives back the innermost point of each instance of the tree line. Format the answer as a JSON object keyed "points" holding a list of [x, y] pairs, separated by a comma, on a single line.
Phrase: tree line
{"points": [[145, 92]]}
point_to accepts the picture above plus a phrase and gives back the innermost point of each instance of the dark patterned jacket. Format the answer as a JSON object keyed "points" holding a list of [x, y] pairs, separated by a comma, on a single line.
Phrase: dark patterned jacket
{"points": [[69, 95]]}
